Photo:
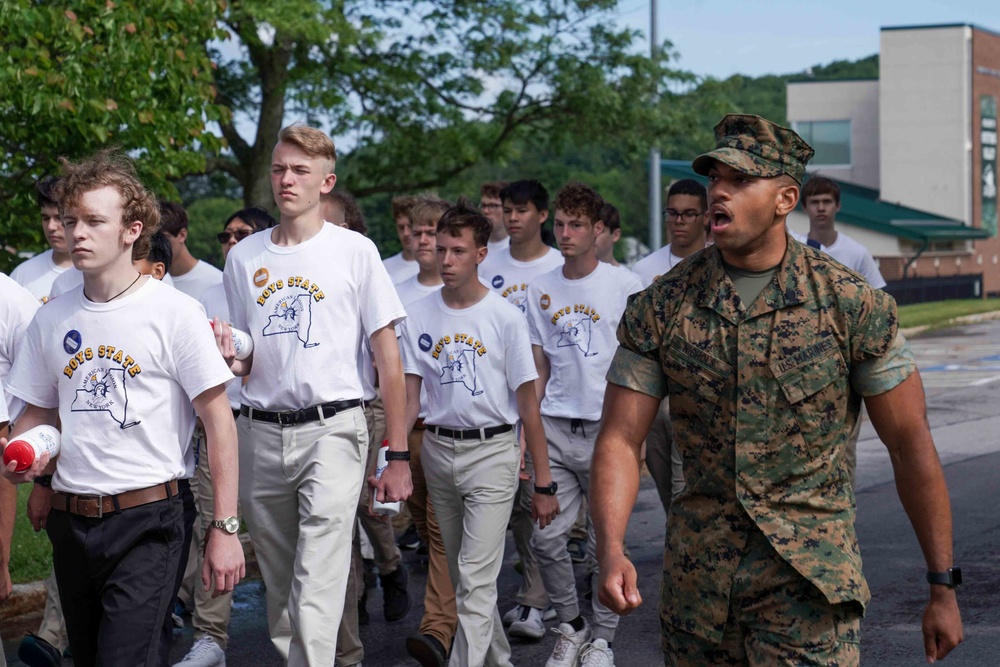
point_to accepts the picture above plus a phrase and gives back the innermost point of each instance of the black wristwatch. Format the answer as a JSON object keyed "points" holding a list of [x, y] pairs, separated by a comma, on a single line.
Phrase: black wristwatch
{"points": [[951, 578], [397, 456], [549, 490]]}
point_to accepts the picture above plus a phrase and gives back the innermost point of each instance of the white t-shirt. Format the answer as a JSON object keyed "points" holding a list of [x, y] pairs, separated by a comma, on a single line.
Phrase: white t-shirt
{"points": [[123, 375], [471, 360], [410, 292], [4, 417], [198, 279], [306, 307], [510, 278], [855, 256], [495, 247], [17, 308], [655, 264], [73, 277], [37, 274], [400, 269], [213, 300], [575, 323]]}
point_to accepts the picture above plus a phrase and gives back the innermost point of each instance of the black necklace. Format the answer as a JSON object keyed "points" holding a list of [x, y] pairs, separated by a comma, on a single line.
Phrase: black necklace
{"points": [[119, 293]]}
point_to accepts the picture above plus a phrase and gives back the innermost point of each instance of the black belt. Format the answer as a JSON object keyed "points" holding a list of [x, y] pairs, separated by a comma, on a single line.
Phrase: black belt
{"points": [[470, 434], [303, 416]]}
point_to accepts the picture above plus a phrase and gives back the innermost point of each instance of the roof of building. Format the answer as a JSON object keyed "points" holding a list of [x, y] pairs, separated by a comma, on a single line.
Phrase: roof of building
{"points": [[861, 207]]}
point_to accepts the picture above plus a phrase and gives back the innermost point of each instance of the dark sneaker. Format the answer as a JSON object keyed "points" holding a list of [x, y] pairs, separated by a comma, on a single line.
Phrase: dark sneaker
{"points": [[395, 598], [363, 617], [36, 652], [426, 650], [409, 540]]}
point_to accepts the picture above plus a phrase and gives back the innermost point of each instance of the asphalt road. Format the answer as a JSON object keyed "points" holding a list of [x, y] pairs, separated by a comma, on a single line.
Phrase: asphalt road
{"points": [[961, 371]]}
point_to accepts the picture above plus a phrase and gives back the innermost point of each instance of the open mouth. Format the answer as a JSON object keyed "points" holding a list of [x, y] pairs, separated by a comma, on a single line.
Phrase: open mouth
{"points": [[720, 218]]}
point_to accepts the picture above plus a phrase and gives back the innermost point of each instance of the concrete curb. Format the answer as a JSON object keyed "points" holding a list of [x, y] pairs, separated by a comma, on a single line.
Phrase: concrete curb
{"points": [[910, 332], [22, 611]]}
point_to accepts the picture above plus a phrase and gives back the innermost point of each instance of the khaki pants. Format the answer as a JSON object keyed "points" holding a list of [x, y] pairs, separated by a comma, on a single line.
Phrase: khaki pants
{"points": [[53, 627], [440, 616], [663, 458], [571, 448], [532, 591], [472, 484], [299, 488]]}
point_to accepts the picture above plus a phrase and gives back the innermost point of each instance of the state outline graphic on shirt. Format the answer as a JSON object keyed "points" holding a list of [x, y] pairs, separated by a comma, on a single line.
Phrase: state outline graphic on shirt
{"points": [[576, 332], [459, 367], [104, 391], [292, 315]]}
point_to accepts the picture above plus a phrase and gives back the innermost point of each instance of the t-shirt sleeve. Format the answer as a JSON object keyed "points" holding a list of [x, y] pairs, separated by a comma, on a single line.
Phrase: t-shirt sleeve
{"points": [[4, 417], [406, 348], [237, 301], [869, 269], [198, 365], [26, 379], [519, 362], [379, 303], [532, 313], [636, 364], [880, 374]]}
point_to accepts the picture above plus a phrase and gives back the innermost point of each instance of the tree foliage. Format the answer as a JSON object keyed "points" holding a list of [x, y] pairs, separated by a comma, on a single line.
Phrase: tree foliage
{"points": [[78, 76], [422, 91]]}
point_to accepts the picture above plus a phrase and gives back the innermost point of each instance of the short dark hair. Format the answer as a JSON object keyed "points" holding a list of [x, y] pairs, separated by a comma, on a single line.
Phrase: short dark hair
{"points": [[353, 216], [44, 191], [492, 189], [524, 191], [159, 250], [578, 198], [254, 216], [464, 216], [689, 186], [401, 206], [611, 218], [173, 217], [820, 185]]}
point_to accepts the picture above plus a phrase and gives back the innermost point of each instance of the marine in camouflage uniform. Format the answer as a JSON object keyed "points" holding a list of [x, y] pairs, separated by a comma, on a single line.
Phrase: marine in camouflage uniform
{"points": [[762, 564]]}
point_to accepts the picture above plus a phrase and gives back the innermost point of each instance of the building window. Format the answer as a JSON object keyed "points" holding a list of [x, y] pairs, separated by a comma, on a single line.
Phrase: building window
{"points": [[830, 138]]}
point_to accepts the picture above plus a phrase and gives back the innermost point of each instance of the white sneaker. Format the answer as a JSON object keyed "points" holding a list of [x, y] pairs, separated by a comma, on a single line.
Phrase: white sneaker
{"points": [[204, 653], [512, 615], [549, 614], [597, 654], [568, 645], [529, 624]]}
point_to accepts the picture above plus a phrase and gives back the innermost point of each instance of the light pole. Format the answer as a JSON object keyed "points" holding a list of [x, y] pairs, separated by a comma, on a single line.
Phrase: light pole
{"points": [[655, 204]]}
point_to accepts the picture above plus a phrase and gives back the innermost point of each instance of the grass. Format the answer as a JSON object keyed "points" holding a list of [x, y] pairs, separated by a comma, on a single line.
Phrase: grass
{"points": [[30, 552], [937, 313]]}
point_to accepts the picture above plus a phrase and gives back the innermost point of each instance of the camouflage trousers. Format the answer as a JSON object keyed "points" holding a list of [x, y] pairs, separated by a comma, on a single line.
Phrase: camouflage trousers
{"points": [[776, 617]]}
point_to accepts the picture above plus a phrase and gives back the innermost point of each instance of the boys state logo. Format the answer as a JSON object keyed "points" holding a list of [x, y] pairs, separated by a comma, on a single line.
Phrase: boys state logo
{"points": [[576, 332], [104, 391], [292, 315], [497, 281], [459, 367]]}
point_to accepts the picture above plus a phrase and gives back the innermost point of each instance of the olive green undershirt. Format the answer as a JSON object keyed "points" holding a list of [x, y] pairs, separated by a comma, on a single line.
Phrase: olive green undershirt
{"points": [[749, 284]]}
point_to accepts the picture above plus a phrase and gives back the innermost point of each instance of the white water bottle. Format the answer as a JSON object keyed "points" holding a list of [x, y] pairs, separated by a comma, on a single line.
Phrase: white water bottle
{"points": [[386, 509], [27, 447], [241, 341]]}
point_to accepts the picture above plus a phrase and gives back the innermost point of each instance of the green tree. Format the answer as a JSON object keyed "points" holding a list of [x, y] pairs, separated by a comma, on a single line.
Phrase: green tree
{"points": [[205, 220], [425, 90], [122, 72]]}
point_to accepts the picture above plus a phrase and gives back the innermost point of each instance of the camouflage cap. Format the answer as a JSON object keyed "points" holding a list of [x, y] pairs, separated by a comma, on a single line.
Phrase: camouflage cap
{"points": [[756, 146]]}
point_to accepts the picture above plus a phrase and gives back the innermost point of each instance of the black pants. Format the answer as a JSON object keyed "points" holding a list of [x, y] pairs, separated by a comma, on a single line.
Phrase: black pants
{"points": [[117, 579]]}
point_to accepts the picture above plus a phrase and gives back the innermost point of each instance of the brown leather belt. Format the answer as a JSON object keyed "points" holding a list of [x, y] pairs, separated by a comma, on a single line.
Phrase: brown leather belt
{"points": [[96, 507]]}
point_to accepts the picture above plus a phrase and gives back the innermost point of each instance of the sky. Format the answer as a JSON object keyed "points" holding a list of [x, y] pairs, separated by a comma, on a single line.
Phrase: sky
{"points": [[720, 38]]}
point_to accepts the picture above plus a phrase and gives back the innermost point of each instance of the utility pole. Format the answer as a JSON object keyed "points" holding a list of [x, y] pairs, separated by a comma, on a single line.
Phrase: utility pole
{"points": [[655, 203]]}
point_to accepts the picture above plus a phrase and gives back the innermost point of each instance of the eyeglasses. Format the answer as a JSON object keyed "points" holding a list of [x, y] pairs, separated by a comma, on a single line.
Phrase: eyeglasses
{"points": [[240, 234], [687, 216]]}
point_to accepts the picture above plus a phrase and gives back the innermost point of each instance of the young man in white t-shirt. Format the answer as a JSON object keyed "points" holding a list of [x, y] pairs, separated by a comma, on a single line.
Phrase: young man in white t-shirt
{"points": [[612, 220], [687, 202], [37, 274], [430, 644], [491, 207], [821, 202], [118, 363], [210, 614], [573, 315], [402, 265], [307, 291], [470, 351], [188, 273], [509, 272]]}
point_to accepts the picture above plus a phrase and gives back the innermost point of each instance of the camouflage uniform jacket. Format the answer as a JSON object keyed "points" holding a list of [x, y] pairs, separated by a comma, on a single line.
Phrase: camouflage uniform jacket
{"points": [[762, 401]]}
